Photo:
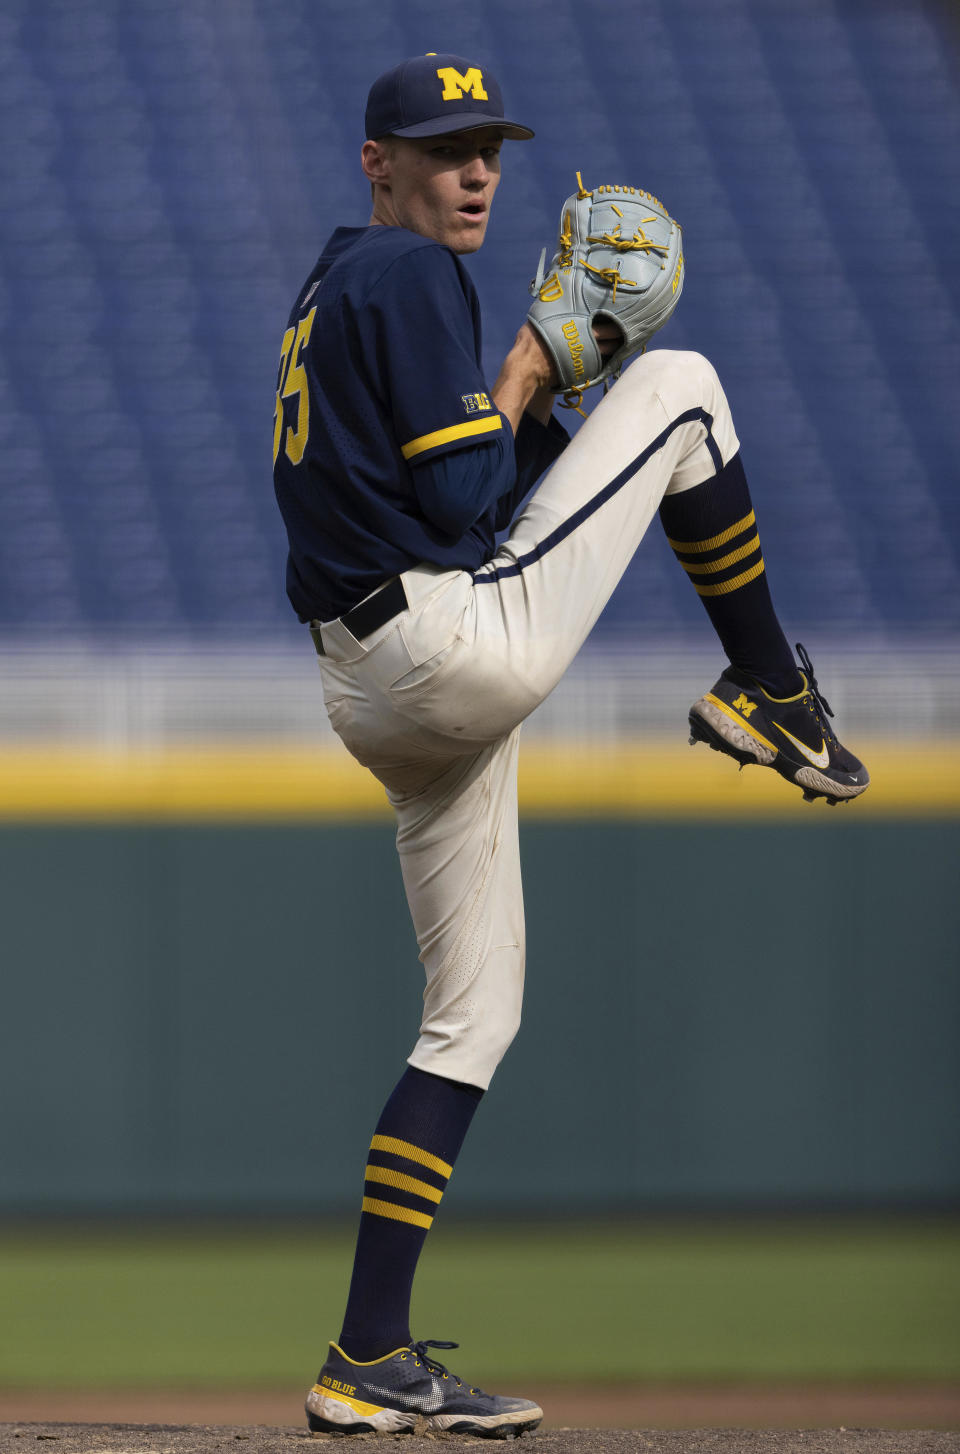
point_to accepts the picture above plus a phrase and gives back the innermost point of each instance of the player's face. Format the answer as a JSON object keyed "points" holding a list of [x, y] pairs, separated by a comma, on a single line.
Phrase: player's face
{"points": [[440, 186]]}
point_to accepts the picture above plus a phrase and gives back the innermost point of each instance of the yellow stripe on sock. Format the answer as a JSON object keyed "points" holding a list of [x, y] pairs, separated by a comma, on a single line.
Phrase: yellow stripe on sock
{"points": [[411, 1152], [697, 547], [741, 553], [403, 1183], [396, 1213], [725, 587]]}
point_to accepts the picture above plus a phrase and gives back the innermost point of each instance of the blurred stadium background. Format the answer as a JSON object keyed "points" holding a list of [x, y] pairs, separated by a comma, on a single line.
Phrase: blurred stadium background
{"points": [[203, 1013]]}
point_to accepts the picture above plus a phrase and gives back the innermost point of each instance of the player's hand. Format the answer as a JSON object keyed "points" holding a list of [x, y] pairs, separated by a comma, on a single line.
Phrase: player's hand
{"points": [[608, 336], [528, 374]]}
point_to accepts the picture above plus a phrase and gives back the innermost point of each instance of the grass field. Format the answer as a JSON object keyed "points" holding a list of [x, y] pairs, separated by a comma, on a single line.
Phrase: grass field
{"points": [[826, 1300]]}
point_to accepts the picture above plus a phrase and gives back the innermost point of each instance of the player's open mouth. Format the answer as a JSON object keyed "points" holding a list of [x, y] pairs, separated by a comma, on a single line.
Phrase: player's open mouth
{"points": [[473, 210]]}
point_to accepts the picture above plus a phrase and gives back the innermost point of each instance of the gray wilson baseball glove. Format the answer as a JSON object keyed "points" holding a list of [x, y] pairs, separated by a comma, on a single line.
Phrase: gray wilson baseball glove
{"points": [[619, 258]]}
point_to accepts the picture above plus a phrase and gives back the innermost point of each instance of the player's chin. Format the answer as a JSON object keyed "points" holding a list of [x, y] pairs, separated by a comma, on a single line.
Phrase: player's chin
{"points": [[468, 232]]}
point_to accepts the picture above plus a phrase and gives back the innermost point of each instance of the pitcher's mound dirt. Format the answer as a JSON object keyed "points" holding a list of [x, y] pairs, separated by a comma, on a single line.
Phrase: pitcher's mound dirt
{"points": [[635, 1406], [213, 1439]]}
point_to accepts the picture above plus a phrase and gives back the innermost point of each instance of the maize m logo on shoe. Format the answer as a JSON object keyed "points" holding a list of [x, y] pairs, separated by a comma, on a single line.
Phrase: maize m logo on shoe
{"points": [[744, 705]]}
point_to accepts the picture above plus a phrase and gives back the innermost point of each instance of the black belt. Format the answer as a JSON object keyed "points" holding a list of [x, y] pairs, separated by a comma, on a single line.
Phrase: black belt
{"points": [[375, 611]]}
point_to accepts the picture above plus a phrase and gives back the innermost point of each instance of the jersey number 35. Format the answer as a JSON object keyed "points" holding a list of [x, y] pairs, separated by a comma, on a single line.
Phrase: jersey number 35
{"points": [[291, 382]]}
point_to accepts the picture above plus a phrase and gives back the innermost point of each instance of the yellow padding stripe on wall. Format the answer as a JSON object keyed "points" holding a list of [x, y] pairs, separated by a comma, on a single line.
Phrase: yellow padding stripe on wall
{"points": [[650, 778]]}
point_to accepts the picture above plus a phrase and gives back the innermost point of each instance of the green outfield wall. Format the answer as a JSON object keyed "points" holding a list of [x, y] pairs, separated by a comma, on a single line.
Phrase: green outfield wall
{"points": [[208, 1016]]}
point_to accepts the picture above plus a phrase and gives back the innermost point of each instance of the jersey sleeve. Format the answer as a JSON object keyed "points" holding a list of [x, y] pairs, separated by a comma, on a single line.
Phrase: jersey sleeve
{"points": [[426, 332], [457, 488]]}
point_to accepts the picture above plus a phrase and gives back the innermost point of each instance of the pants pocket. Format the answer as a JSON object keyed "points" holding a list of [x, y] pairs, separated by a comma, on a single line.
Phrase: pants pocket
{"points": [[421, 675]]}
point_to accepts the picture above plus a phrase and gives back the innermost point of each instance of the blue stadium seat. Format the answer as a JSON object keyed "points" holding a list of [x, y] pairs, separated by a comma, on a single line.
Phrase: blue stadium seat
{"points": [[176, 171]]}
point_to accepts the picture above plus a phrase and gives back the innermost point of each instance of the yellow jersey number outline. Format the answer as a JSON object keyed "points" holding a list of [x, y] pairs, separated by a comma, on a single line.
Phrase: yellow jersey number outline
{"points": [[292, 380]]}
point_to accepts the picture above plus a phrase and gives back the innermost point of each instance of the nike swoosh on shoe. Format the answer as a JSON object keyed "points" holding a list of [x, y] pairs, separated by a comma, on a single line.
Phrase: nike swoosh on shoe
{"points": [[427, 1403], [819, 759]]}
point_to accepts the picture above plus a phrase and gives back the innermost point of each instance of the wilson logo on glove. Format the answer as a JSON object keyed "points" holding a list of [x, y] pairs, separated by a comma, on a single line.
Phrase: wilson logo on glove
{"points": [[575, 347], [551, 290], [603, 232]]}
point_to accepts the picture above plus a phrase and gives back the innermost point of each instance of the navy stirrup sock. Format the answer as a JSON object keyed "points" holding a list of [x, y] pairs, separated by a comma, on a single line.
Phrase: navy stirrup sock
{"points": [[713, 532], [411, 1157]]}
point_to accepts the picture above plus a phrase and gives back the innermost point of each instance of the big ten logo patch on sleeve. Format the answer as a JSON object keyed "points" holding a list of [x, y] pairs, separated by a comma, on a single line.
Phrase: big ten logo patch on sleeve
{"points": [[476, 403]]}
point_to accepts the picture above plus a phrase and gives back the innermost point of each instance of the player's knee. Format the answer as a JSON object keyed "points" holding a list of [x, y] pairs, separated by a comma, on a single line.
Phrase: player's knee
{"points": [[468, 1053], [508, 1033], [495, 1048], [487, 1042], [686, 376], [472, 1010], [682, 380]]}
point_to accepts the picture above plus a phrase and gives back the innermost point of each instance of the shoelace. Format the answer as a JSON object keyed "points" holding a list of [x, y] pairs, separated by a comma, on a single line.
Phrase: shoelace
{"points": [[822, 705], [419, 1351]]}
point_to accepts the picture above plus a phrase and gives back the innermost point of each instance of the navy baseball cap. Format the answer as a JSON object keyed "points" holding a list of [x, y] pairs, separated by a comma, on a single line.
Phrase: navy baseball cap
{"points": [[434, 94]]}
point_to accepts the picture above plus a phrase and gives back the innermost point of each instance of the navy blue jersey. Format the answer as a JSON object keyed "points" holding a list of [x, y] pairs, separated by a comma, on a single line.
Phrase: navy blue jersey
{"points": [[380, 384]]}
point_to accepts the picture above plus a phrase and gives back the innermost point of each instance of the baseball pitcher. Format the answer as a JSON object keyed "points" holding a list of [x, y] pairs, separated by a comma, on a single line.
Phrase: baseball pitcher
{"points": [[396, 464]]}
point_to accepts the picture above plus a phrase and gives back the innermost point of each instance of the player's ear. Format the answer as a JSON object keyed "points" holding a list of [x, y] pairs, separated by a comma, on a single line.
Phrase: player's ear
{"points": [[375, 160]]}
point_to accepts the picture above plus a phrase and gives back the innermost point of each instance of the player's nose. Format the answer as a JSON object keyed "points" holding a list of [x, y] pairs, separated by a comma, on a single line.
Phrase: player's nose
{"points": [[475, 173]]}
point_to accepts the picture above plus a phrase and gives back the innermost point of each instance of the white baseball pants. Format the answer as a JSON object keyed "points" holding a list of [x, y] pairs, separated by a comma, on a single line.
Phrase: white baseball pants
{"points": [[432, 702]]}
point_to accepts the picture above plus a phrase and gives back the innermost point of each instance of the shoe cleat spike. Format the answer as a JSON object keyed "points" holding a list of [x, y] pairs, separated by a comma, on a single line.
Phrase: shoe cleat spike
{"points": [[809, 797], [692, 740]]}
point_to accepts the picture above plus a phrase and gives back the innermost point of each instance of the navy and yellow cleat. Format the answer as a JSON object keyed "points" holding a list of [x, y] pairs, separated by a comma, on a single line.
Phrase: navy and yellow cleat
{"points": [[791, 734], [389, 1395]]}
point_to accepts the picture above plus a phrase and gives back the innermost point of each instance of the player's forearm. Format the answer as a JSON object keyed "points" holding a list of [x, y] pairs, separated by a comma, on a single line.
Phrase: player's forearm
{"points": [[541, 405], [522, 383]]}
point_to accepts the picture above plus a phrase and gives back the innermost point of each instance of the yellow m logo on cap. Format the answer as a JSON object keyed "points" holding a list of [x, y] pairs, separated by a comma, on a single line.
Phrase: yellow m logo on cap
{"points": [[454, 85]]}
